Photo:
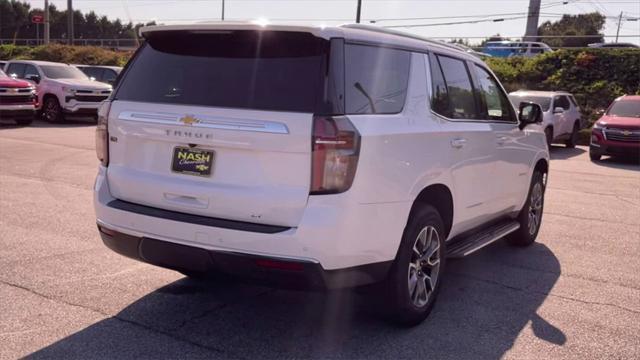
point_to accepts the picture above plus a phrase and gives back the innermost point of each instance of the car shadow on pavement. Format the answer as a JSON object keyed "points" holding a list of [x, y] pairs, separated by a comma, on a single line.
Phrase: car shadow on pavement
{"points": [[564, 153], [487, 300]]}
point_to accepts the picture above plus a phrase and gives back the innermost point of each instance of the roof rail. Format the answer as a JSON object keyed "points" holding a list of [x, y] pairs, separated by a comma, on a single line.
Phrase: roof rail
{"points": [[382, 30]]}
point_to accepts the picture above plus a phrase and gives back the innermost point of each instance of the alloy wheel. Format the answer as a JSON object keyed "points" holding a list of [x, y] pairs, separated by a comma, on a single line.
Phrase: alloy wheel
{"points": [[424, 266], [535, 208], [51, 110]]}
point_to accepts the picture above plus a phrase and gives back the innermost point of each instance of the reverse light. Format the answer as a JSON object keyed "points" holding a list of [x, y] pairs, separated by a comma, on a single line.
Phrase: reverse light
{"points": [[335, 152], [102, 133]]}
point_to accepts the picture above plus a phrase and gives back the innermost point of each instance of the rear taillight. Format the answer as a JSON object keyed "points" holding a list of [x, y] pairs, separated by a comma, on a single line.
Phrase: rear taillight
{"points": [[102, 133], [335, 151]]}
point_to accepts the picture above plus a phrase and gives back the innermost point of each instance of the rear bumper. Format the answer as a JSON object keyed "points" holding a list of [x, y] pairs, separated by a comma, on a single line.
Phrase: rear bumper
{"points": [[262, 269], [334, 234]]}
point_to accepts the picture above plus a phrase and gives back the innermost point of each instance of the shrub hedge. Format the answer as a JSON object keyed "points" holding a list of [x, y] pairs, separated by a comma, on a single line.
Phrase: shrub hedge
{"points": [[89, 55], [595, 76]]}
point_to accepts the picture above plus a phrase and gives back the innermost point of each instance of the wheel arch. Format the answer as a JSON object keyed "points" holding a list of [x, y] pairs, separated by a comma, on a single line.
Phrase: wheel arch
{"points": [[48, 95], [440, 197], [542, 165]]}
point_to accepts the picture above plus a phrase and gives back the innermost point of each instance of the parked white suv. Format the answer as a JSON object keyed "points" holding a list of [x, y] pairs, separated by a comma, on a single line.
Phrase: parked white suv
{"points": [[63, 90], [562, 119], [314, 157]]}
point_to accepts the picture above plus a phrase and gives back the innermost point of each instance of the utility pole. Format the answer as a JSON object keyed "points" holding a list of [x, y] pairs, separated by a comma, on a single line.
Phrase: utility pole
{"points": [[532, 20], [70, 21], [619, 23], [46, 22], [358, 12], [222, 10]]}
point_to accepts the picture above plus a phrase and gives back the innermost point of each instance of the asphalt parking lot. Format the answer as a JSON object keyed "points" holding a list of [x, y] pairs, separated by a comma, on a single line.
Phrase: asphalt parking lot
{"points": [[573, 295]]}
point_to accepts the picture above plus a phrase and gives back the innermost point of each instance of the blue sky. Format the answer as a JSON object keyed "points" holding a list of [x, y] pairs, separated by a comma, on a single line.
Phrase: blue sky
{"points": [[332, 12]]}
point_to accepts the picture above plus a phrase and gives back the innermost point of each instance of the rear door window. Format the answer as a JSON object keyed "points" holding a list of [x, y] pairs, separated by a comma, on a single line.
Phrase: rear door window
{"points": [[109, 76], [462, 103], [93, 72], [30, 70], [376, 79], [561, 101], [440, 96], [267, 70]]}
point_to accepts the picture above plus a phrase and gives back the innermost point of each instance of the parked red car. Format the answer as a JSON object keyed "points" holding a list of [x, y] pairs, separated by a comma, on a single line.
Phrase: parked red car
{"points": [[617, 133], [18, 100]]}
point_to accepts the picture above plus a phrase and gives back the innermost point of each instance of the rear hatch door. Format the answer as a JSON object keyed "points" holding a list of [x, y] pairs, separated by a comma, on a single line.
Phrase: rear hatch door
{"points": [[218, 123]]}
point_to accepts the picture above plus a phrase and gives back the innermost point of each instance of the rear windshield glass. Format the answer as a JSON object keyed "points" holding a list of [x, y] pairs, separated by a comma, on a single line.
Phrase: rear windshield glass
{"points": [[62, 72], [544, 102], [267, 70], [628, 108]]}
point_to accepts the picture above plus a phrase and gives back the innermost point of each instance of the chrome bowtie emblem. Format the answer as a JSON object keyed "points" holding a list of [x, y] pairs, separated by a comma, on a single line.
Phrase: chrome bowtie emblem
{"points": [[189, 120], [626, 133]]}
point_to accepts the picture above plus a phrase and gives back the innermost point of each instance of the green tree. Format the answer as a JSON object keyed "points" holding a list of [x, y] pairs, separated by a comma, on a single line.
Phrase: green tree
{"points": [[15, 22], [580, 30]]}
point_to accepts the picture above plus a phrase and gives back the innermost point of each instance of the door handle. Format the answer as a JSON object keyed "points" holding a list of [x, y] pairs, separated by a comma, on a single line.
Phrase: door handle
{"points": [[502, 139], [458, 143]]}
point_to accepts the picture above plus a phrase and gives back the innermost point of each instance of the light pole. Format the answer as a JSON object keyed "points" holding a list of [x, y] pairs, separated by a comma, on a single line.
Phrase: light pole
{"points": [[532, 20], [619, 22], [46, 22], [358, 11], [222, 10], [70, 21]]}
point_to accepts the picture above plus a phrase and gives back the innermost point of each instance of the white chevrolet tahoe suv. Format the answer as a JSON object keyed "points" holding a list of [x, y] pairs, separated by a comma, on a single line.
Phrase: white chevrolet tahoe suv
{"points": [[63, 90], [314, 157]]}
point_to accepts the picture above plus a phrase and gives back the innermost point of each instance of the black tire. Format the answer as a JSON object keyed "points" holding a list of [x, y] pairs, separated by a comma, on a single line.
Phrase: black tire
{"points": [[405, 306], [24, 122], [573, 138], [530, 217], [51, 110], [548, 133], [594, 157]]}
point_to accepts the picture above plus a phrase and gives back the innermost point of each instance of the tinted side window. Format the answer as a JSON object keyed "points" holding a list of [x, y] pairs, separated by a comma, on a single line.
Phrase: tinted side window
{"points": [[16, 70], [462, 104], [30, 70], [376, 79], [109, 76], [440, 96], [561, 101], [493, 98], [95, 73]]}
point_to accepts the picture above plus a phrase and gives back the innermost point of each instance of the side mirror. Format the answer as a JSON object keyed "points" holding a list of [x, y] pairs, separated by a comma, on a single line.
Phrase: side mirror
{"points": [[558, 110], [34, 78], [530, 113]]}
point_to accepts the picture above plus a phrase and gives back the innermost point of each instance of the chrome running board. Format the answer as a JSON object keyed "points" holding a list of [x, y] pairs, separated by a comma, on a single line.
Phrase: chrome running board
{"points": [[469, 244]]}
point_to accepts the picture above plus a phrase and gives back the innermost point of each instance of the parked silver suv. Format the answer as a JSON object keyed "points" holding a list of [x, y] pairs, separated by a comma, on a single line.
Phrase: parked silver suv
{"points": [[562, 119]]}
